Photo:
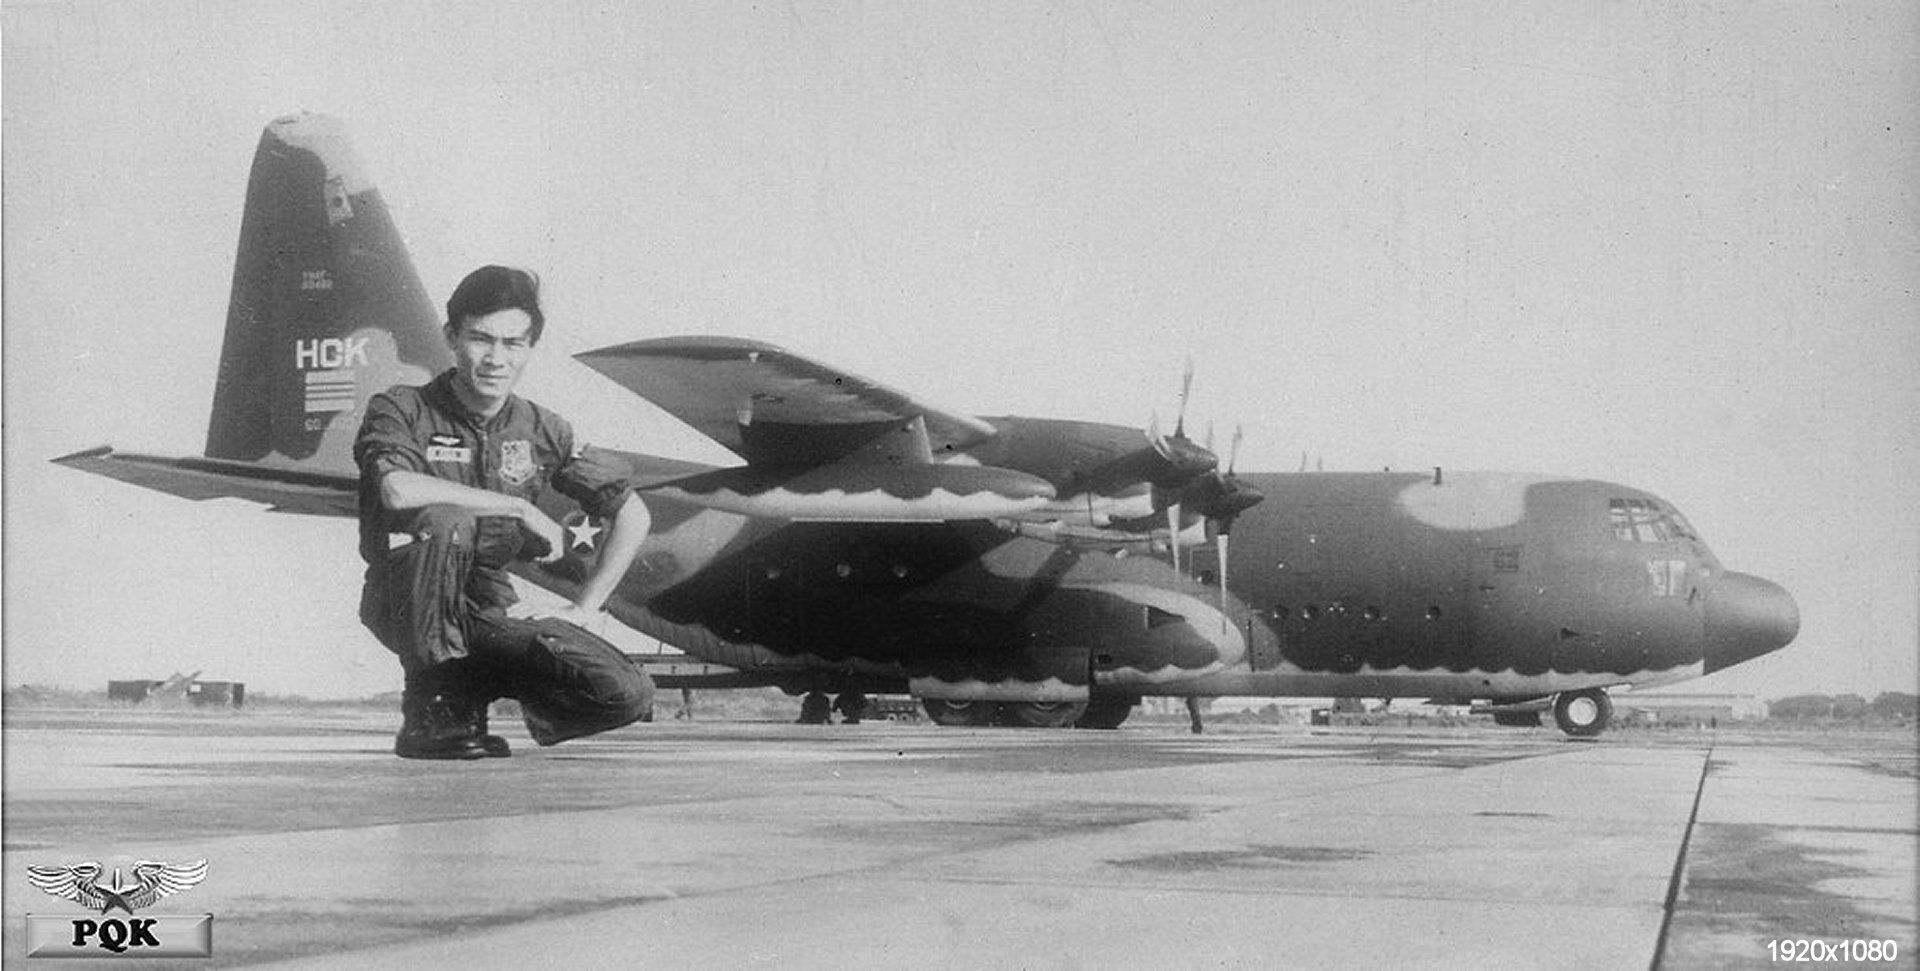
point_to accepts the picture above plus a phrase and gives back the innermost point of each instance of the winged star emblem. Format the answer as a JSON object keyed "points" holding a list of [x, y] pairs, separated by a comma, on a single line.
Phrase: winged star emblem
{"points": [[126, 884]]}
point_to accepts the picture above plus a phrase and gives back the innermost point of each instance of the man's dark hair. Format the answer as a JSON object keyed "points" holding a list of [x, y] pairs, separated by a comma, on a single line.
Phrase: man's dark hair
{"points": [[491, 289]]}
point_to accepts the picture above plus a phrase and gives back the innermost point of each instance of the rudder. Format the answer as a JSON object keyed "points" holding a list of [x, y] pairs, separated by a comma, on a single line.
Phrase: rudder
{"points": [[326, 310]]}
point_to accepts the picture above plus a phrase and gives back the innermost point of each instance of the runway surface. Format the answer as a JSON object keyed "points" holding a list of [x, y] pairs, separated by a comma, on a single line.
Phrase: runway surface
{"points": [[723, 845]]}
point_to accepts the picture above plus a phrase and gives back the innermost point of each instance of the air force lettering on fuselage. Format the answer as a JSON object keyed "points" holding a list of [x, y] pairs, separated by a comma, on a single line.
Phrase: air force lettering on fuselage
{"points": [[1036, 571]]}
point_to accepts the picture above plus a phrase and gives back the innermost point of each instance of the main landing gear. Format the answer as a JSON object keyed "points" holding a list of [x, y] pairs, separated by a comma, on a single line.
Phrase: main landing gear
{"points": [[947, 712], [1101, 712], [816, 709], [1042, 714], [1583, 714]]}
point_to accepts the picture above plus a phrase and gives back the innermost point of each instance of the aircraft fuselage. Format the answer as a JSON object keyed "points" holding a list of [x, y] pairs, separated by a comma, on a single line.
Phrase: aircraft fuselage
{"points": [[1454, 586]]}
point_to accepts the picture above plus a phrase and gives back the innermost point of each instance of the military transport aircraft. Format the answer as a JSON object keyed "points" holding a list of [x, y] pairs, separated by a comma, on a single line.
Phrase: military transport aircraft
{"points": [[1025, 570]]}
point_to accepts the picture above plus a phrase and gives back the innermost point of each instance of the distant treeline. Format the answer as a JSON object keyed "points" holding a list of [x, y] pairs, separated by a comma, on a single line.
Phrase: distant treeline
{"points": [[1894, 706]]}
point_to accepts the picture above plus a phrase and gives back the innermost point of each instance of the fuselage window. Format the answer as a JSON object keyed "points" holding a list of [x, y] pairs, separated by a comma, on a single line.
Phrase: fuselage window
{"points": [[1681, 528], [1646, 521], [1669, 577]]}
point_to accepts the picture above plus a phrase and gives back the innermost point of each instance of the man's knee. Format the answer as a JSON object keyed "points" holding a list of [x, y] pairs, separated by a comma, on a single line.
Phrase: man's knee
{"points": [[626, 691], [594, 670]]}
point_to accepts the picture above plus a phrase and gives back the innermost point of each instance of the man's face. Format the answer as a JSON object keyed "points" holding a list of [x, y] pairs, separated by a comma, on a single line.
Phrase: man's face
{"points": [[489, 353]]}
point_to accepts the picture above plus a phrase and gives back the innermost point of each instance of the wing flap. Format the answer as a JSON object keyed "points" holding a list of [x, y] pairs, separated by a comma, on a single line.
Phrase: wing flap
{"points": [[771, 406]]}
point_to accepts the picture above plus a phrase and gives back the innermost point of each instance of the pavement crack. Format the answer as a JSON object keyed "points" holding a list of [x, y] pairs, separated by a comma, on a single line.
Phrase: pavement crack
{"points": [[1680, 863]]}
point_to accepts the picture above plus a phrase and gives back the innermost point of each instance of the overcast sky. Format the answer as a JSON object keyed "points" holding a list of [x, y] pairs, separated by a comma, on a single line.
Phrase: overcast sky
{"points": [[1671, 245]]}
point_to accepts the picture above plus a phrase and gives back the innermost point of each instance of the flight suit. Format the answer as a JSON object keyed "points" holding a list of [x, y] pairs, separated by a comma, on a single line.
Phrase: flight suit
{"points": [[437, 592]]}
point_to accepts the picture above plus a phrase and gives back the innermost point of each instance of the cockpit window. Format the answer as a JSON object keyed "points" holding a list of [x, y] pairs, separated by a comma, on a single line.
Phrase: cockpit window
{"points": [[1646, 521]]}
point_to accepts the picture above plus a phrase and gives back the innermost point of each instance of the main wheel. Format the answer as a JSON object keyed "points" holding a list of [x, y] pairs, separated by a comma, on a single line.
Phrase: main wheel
{"points": [[1105, 712], [1583, 714], [1042, 714], [815, 709], [852, 707], [945, 711]]}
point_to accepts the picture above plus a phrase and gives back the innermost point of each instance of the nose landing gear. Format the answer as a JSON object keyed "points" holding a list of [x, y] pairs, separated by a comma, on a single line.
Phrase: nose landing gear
{"points": [[1583, 714]]}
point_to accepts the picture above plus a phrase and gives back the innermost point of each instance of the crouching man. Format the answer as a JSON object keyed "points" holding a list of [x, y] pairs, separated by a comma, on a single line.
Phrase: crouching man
{"points": [[450, 473]]}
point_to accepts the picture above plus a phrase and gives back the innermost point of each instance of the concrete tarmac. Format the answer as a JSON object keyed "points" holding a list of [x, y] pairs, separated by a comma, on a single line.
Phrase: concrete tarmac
{"points": [[724, 845]]}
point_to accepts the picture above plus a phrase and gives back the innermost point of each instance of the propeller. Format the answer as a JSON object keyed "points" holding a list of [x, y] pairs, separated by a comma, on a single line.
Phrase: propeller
{"points": [[1186, 459], [1189, 462], [1234, 500], [1220, 498]]}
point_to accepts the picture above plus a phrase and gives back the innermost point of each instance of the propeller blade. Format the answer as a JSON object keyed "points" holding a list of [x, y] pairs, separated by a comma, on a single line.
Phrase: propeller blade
{"points": [[1223, 573], [1186, 387], [1158, 440], [1173, 534]]}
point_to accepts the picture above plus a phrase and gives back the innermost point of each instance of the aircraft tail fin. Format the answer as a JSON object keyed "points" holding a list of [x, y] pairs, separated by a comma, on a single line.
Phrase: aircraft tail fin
{"points": [[326, 311]]}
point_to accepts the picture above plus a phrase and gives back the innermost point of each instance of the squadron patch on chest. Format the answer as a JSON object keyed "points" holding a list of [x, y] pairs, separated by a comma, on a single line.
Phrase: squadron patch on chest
{"points": [[516, 461]]}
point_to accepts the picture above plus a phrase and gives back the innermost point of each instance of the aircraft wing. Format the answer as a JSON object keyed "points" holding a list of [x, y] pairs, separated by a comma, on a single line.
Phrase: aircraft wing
{"points": [[282, 490], [771, 406]]}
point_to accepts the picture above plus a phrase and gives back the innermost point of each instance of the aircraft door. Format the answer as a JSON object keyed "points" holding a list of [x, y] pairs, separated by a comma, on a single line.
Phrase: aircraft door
{"points": [[1514, 609]]}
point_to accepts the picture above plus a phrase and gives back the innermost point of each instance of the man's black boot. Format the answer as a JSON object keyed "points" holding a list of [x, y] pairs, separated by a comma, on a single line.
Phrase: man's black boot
{"points": [[439, 726], [494, 746]]}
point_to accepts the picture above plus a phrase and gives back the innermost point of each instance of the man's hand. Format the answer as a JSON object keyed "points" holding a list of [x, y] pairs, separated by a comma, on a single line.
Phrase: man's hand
{"points": [[543, 526]]}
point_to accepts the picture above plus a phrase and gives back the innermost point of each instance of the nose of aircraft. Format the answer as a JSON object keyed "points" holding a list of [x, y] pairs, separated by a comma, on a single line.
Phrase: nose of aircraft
{"points": [[1745, 618]]}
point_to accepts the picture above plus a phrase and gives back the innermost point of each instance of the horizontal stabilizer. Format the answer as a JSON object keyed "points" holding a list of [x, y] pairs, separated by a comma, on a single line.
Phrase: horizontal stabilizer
{"points": [[771, 406], [281, 489]]}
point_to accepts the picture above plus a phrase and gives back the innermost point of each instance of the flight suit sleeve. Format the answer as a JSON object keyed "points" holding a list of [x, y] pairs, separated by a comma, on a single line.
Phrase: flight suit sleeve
{"points": [[593, 477], [387, 441]]}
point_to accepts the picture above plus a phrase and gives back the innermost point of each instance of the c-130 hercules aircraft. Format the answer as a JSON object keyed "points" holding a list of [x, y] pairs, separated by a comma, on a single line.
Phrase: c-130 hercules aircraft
{"points": [[1022, 570]]}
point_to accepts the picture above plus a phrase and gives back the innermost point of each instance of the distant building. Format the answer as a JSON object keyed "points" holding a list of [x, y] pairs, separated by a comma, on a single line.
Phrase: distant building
{"points": [[1689, 708]]}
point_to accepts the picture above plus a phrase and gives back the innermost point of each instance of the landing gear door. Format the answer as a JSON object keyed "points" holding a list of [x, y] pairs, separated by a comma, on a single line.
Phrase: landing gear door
{"points": [[1263, 645]]}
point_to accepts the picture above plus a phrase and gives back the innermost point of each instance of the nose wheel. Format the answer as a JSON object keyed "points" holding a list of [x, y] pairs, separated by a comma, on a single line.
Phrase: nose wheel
{"points": [[1583, 714]]}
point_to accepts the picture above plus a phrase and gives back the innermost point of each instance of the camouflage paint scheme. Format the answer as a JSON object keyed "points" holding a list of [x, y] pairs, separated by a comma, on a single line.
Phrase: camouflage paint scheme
{"points": [[874, 542]]}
